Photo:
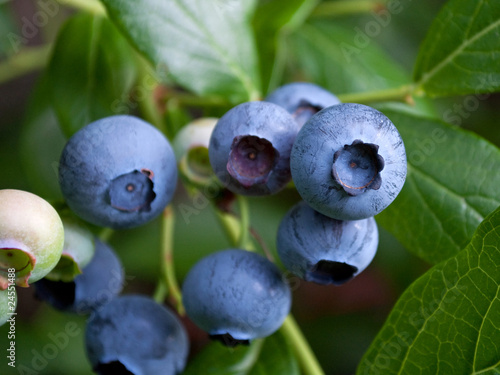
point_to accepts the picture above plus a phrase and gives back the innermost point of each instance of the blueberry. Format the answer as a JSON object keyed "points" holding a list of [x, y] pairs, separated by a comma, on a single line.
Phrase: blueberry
{"points": [[236, 296], [100, 281], [318, 248], [250, 148], [133, 334], [348, 162], [302, 99], [118, 172], [31, 237]]}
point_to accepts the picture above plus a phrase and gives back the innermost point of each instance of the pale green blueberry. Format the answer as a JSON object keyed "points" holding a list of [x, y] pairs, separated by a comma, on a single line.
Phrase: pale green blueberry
{"points": [[79, 248], [31, 237], [191, 149], [8, 304]]}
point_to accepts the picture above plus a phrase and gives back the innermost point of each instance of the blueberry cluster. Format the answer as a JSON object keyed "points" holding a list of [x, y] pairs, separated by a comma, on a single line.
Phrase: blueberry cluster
{"points": [[347, 161]]}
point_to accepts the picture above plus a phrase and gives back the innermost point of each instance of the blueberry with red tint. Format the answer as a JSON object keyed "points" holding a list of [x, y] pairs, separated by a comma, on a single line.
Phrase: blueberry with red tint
{"points": [[250, 148]]}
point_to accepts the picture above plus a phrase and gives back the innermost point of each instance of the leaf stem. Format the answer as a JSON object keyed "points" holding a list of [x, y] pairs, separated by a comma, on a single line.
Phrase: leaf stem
{"points": [[27, 60], [106, 234], [92, 6], [168, 278], [244, 222], [147, 103], [402, 93], [346, 8], [303, 351]]}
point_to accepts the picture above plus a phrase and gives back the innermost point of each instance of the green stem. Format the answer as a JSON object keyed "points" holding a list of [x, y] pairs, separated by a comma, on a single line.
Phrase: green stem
{"points": [[230, 226], [147, 103], [346, 8], [167, 265], [402, 93], [307, 360], [244, 222], [27, 60], [106, 234], [185, 99], [92, 6]]}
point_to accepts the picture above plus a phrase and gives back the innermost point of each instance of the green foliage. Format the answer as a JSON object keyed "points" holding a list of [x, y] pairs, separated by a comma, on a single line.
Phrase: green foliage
{"points": [[327, 54], [461, 51], [211, 55], [91, 71], [449, 188], [205, 46], [270, 356], [447, 321]]}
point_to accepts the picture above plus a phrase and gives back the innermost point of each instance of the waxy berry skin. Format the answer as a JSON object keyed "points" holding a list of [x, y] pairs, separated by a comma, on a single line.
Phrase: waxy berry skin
{"points": [[236, 296], [348, 162], [132, 334], [118, 172], [302, 99], [323, 250], [101, 280], [250, 148]]}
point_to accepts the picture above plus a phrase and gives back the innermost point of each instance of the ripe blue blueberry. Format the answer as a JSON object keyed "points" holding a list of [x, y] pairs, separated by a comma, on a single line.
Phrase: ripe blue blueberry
{"points": [[118, 172], [348, 162], [101, 280], [318, 248], [302, 99], [236, 296], [133, 334], [250, 148]]}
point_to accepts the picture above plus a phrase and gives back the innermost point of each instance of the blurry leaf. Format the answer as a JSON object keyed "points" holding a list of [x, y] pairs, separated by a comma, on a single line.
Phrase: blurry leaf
{"points": [[450, 188], [206, 46], [331, 56], [41, 143], [265, 356], [273, 19], [446, 322], [461, 51], [10, 41], [91, 71]]}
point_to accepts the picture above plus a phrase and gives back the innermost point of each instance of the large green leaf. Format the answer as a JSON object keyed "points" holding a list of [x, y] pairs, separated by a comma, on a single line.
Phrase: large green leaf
{"points": [[92, 71], [329, 55], [206, 46], [451, 186], [273, 20], [266, 356], [448, 321], [461, 51]]}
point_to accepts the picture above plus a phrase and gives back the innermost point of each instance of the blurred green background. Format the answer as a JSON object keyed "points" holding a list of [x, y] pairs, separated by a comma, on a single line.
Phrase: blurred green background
{"points": [[339, 322]]}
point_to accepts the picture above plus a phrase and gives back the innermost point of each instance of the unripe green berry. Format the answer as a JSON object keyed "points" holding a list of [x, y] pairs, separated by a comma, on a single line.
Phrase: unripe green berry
{"points": [[31, 237]]}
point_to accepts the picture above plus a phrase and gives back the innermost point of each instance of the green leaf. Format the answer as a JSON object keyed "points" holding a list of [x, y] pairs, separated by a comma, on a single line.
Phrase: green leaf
{"points": [[450, 188], [328, 55], [461, 50], [273, 20], [264, 356], [206, 46], [41, 143], [446, 322], [92, 71]]}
